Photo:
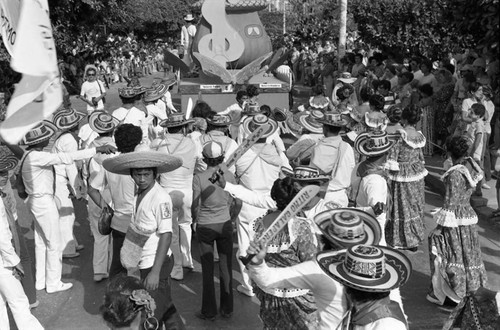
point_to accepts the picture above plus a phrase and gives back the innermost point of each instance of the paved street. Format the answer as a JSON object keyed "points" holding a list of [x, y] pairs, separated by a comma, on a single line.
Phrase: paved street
{"points": [[79, 307]]}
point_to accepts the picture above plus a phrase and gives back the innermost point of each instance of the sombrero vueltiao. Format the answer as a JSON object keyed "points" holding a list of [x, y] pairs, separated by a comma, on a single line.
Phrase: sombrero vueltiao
{"points": [[305, 174], [367, 268], [251, 109], [130, 92], [102, 122], [372, 144], [251, 123], [41, 132], [66, 119], [318, 102], [175, 120], [346, 77], [310, 121], [333, 119], [156, 93], [7, 159], [142, 157], [345, 227], [219, 120]]}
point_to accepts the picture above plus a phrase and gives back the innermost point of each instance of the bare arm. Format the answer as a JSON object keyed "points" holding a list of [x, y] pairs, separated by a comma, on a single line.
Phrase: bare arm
{"points": [[153, 279]]}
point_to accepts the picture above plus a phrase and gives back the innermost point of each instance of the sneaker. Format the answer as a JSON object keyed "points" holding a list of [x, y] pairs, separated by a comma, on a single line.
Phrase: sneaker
{"points": [[100, 277], [71, 255], [202, 316], [35, 304], [485, 186], [62, 287], [241, 289], [431, 298]]}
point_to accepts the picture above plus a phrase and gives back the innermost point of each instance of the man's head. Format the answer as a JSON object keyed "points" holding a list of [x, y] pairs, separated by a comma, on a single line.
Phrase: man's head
{"points": [[143, 177], [213, 153], [91, 74], [241, 97], [384, 87], [127, 137]]}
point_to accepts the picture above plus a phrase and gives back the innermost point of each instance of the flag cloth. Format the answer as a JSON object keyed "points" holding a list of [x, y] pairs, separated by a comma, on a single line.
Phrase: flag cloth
{"points": [[39, 92], [10, 17]]}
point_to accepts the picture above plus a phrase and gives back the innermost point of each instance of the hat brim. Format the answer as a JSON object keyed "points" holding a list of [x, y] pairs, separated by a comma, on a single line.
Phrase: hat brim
{"points": [[7, 159], [272, 127], [373, 231], [122, 164], [347, 80], [93, 117], [397, 271], [213, 123], [51, 131], [303, 121], [60, 126], [361, 142], [166, 124]]}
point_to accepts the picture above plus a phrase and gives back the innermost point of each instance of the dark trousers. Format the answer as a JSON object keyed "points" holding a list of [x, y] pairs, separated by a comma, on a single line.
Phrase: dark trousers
{"points": [[165, 310], [116, 265], [28, 280], [222, 234]]}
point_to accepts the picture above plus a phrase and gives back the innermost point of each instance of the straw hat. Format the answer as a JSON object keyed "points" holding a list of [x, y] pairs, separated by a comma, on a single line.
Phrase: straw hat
{"points": [[219, 120], [251, 109], [7, 159], [212, 149], [156, 93], [102, 122], [372, 144], [189, 18], [305, 174], [175, 120], [251, 123], [142, 157], [66, 119], [310, 121], [333, 119], [346, 227], [318, 102], [367, 268], [346, 77], [130, 92], [41, 132]]}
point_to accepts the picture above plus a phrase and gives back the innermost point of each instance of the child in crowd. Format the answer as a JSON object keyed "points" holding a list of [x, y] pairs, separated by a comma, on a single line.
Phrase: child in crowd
{"points": [[474, 132]]}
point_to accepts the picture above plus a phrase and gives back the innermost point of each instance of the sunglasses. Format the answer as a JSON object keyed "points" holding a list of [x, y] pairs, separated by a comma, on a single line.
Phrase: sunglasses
{"points": [[90, 75]]}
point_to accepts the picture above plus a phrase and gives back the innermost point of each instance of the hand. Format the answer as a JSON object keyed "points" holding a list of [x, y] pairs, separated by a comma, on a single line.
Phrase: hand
{"points": [[20, 268], [106, 149], [378, 208], [152, 280], [258, 251], [221, 180]]}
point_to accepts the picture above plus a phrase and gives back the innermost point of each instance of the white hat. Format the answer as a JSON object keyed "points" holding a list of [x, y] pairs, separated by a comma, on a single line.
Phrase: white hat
{"points": [[212, 149]]}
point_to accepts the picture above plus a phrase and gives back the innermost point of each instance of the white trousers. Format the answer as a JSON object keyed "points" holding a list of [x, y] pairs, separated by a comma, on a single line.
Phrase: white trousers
{"points": [[12, 293], [181, 229], [100, 259], [48, 251], [66, 218], [246, 233]]}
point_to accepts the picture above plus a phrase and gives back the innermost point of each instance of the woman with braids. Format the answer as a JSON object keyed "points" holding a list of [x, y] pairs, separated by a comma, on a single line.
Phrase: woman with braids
{"points": [[406, 172], [456, 264], [295, 243]]}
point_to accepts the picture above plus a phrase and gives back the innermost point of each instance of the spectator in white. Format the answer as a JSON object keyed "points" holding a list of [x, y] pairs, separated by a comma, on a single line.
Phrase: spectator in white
{"points": [[93, 91], [415, 69], [479, 66], [179, 184], [335, 158], [38, 178], [235, 111], [147, 243], [66, 178], [11, 272], [390, 74], [104, 125], [345, 79], [128, 113], [188, 31], [154, 113], [358, 64], [427, 76], [165, 102]]}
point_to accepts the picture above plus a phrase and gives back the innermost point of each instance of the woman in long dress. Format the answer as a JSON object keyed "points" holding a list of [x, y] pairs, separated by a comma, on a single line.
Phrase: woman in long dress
{"points": [[456, 264], [406, 172], [443, 114]]}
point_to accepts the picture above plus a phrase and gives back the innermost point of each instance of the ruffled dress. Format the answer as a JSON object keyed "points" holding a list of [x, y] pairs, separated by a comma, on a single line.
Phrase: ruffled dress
{"points": [[406, 172], [456, 264], [288, 308]]}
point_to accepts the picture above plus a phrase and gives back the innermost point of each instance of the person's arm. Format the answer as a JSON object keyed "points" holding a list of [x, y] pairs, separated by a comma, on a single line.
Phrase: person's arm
{"points": [[247, 196], [7, 251], [476, 150], [195, 206], [465, 111], [82, 96], [47, 158]]}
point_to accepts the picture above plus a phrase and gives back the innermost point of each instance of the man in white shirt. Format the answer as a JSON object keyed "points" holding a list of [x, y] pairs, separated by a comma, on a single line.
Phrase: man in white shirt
{"points": [[128, 113], [335, 158], [179, 184], [188, 31], [38, 177], [235, 112], [93, 91]]}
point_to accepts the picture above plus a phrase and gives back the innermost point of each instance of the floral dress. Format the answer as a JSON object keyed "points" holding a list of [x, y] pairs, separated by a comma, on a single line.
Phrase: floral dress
{"points": [[288, 308], [406, 173], [456, 264]]}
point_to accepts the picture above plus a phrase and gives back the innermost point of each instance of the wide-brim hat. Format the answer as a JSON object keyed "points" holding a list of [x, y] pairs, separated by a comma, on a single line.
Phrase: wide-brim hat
{"points": [[156, 93], [169, 81], [41, 132], [376, 120], [305, 174], [102, 122], [66, 119], [372, 144], [142, 157], [175, 120], [131, 92], [346, 77], [319, 102], [7, 159], [251, 109], [345, 227], [367, 268], [310, 121], [333, 119], [251, 123], [189, 18], [219, 120]]}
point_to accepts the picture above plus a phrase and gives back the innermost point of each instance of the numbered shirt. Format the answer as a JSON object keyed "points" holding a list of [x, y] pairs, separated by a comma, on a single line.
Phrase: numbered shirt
{"points": [[153, 213]]}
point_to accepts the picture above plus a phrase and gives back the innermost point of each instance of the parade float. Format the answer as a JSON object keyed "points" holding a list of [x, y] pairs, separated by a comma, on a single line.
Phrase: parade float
{"points": [[232, 50]]}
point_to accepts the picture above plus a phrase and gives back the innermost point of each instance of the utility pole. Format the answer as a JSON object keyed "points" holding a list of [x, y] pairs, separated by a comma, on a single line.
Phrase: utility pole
{"points": [[284, 16], [342, 30]]}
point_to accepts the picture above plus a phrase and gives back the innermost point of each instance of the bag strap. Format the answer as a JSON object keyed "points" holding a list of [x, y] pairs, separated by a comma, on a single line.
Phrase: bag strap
{"points": [[248, 167], [99, 84]]}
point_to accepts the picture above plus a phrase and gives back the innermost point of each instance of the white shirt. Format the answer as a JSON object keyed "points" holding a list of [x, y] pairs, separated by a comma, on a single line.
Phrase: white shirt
{"points": [[328, 293], [8, 255], [490, 110], [90, 90], [153, 213], [66, 173], [86, 135], [133, 116], [37, 171]]}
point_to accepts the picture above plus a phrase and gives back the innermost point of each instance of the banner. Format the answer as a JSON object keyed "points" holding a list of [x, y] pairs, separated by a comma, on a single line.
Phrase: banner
{"points": [[9, 18], [39, 92]]}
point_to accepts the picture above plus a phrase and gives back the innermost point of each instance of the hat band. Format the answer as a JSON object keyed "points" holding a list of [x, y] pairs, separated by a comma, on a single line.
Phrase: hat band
{"points": [[104, 125], [365, 269]]}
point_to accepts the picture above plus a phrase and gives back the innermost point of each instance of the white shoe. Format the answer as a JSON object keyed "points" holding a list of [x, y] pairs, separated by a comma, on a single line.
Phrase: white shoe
{"points": [[62, 287], [241, 289], [177, 274]]}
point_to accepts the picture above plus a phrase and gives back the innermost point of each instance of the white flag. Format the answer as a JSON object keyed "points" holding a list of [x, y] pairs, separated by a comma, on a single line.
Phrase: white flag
{"points": [[39, 92], [10, 17]]}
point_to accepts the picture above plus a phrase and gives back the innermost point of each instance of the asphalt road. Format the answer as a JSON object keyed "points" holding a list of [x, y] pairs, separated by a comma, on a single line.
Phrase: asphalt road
{"points": [[78, 308]]}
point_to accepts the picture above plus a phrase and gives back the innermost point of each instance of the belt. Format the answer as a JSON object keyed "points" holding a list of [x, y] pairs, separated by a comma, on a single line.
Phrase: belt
{"points": [[286, 293]]}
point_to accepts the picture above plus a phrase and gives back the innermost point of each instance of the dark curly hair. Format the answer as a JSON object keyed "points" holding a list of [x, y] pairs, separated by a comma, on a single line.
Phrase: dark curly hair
{"points": [[318, 90], [377, 102], [394, 114], [457, 146], [127, 137], [252, 91], [365, 92], [202, 110], [426, 89], [282, 192], [411, 114], [340, 92]]}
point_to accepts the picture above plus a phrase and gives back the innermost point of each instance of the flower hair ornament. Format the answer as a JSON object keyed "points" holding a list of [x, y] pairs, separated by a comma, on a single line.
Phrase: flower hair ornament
{"points": [[144, 301]]}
